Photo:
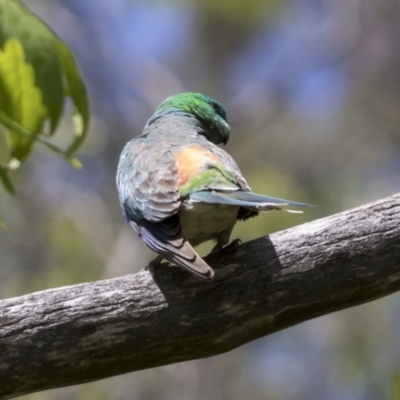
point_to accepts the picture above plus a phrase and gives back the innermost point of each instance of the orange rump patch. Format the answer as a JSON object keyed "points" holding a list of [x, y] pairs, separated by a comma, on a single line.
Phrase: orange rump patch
{"points": [[191, 161]]}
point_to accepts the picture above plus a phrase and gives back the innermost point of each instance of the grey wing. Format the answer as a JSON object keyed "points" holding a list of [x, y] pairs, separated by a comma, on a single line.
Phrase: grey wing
{"points": [[147, 184], [147, 179], [166, 238]]}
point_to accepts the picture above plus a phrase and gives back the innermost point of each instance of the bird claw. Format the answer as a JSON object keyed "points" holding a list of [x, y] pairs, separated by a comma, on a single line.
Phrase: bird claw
{"points": [[232, 246], [153, 265]]}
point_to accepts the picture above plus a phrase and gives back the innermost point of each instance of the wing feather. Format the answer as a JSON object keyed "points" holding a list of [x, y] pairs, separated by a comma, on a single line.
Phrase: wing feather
{"points": [[166, 239], [147, 181]]}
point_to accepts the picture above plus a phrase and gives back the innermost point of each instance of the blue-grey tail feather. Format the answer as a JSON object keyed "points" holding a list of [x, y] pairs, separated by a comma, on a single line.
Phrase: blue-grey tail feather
{"points": [[244, 199], [258, 198], [166, 239]]}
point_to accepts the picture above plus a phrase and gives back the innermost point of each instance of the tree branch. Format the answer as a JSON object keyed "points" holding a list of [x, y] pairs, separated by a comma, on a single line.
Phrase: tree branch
{"points": [[81, 333]]}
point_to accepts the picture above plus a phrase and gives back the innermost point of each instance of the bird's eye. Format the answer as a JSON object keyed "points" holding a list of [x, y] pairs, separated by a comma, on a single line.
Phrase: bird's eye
{"points": [[216, 107], [219, 109]]}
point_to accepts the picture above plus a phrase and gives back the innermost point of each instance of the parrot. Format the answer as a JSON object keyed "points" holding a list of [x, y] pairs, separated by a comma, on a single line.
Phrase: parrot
{"points": [[178, 188]]}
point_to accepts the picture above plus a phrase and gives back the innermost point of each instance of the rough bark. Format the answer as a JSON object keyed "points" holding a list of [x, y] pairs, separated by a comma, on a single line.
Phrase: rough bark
{"points": [[81, 333]]}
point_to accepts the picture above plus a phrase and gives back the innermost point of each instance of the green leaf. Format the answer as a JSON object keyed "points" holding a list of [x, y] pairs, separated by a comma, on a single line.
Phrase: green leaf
{"points": [[40, 47], [20, 99], [13, 125], [37, 73], [76, 90], [57, 74]]}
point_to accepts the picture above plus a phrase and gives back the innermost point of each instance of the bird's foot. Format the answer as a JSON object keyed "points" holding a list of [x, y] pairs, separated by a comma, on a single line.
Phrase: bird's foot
{"points": [[154, 264], [231, 247]]}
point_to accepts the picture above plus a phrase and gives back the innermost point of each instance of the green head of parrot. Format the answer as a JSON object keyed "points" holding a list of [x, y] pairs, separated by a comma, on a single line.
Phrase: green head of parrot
{"points": [[210, 114]]}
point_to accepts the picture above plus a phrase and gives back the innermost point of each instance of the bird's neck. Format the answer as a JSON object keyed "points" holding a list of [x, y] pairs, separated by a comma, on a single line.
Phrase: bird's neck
{"points": [[173, 124]]}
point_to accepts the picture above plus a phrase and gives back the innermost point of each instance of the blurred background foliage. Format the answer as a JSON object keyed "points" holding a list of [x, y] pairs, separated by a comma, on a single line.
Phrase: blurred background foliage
{"points": [[37, 74], [312, 90]]}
